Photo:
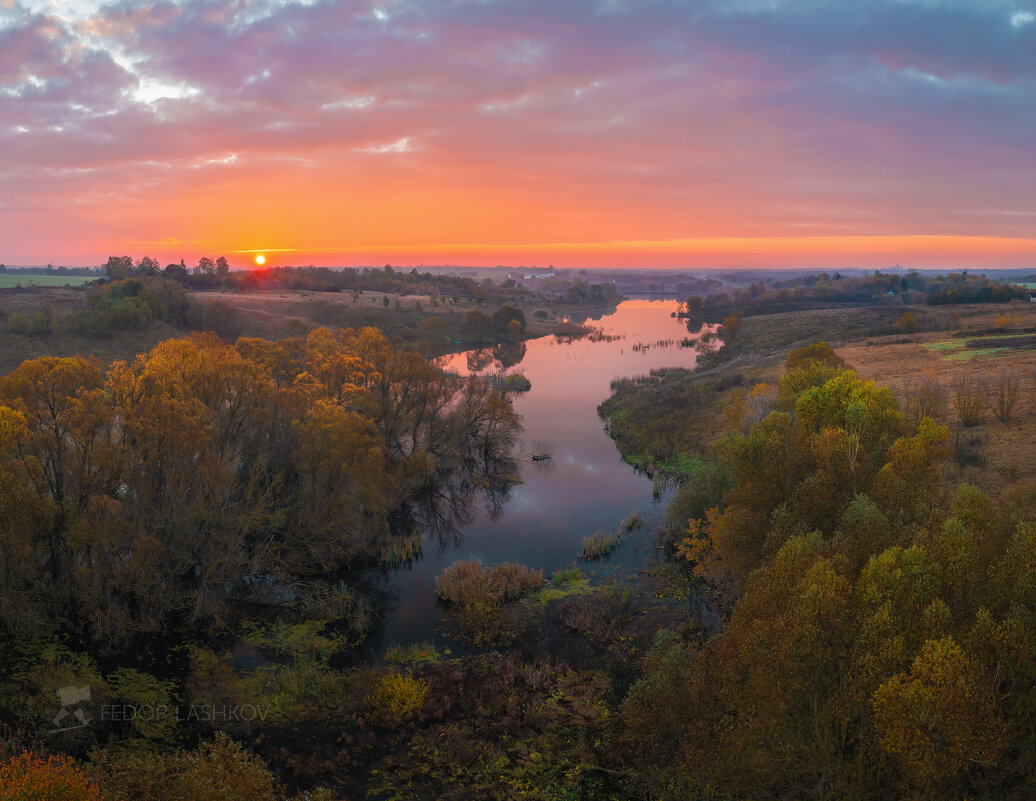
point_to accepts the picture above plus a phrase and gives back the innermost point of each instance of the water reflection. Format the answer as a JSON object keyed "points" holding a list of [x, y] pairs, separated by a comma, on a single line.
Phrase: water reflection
{"points": [[585, 486]]}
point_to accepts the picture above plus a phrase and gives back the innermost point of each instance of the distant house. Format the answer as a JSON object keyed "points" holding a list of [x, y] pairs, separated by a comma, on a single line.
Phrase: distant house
{"points": [[531, 276]]}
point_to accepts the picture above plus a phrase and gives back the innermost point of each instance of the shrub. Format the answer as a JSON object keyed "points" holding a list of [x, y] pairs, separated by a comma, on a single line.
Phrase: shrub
{"points": [[1006, 387], [970, 396], [600, 544], [42, 322], [731, 326], [219, 770], [706, 344], [397, 697], [17, 324], [818, 352], [923, 397], [908, 322], [29, 777]]}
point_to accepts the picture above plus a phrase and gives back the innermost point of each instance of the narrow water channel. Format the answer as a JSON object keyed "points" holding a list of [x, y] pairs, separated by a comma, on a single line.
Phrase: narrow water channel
{"points": [[586, 487]]}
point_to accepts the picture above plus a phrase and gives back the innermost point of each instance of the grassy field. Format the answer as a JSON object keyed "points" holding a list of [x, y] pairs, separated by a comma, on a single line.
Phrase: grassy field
{"points": [[277, 314], [15, 348], [271, 315], [958, 341], [8, 280]]}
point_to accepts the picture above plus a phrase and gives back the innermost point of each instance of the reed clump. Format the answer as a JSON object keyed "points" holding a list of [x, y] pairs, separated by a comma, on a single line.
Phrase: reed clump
{"points": [[478, 595], [600, 544]]}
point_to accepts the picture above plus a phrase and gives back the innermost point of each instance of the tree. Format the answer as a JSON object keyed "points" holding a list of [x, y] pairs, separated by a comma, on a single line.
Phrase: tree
{"points": [[706, 344], [147, 266], [907, 323], [222, 268], [28, 777], [819, 352], [206, 267], [119, 267], [939, 719]]}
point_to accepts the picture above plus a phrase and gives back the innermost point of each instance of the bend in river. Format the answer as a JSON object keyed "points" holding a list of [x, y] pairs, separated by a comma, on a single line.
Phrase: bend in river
{"points": [[585, 487]]}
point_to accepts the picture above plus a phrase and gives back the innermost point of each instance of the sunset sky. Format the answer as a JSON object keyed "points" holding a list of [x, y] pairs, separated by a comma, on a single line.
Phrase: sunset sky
{"points": [[567, 132]]}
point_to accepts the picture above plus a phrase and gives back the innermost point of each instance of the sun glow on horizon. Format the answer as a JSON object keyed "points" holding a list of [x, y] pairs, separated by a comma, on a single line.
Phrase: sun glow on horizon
{"points": [[260, 259]]}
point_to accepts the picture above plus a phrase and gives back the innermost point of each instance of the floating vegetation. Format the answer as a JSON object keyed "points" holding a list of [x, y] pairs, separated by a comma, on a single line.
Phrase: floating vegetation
{"points": [[415, 654], [565, 583]]}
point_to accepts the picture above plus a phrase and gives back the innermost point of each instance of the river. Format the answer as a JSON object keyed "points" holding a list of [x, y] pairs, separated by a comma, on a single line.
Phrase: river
{"points": [[586, 487]]}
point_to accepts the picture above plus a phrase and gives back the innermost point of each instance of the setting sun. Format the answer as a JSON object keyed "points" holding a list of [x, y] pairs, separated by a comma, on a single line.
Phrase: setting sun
{"points": [[260, 258]]}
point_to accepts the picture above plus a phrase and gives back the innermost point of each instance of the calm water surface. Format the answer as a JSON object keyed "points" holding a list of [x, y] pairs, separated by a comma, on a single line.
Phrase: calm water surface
{"points": [[588, 486]]}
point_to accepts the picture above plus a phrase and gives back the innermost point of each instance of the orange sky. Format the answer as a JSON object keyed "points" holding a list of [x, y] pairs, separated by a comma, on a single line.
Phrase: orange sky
{"points": [[581, 135]]}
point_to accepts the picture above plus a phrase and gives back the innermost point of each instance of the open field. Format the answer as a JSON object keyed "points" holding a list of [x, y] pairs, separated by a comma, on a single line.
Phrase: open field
{"points": [[961, 341], [277, 314], [14, 279], [271, 315], [999, 455], [16, 348]]}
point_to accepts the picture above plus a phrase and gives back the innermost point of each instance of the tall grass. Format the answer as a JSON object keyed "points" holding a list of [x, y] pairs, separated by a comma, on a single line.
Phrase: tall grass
{"points": [[478, 594], [632, 522], [600, 544], [463, 581]]}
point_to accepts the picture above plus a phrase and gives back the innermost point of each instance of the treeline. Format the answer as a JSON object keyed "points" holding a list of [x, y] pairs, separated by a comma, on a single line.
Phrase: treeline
{"points": [[205, 476], [209, 274], [50, 270], [881, 640], [821, 290]]}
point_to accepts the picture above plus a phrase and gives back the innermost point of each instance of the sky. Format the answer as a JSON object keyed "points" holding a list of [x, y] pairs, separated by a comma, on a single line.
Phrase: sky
{"points": [[574, 133]]}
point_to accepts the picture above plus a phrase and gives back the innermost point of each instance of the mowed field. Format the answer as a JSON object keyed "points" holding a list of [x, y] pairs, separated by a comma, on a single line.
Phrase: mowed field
{"points": [[8, 280]]}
